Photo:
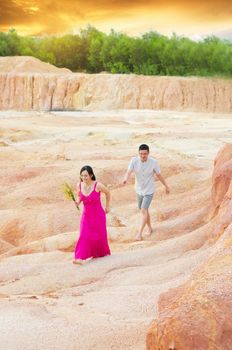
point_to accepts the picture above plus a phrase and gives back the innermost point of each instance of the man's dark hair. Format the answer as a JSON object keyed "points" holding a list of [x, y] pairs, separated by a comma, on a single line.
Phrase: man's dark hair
{"points": [[144, 147]]}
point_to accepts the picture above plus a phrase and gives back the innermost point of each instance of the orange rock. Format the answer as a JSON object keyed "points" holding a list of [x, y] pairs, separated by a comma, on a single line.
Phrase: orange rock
{"points": [[197, 315], [222, 174]]}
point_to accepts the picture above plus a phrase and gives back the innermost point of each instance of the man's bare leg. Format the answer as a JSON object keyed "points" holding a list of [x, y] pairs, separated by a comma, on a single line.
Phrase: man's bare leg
{"points": [[149, 224], [144, 213]]}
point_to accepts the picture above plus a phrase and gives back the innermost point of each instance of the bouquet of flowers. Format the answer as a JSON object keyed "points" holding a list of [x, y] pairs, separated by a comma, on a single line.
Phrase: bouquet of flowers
{"points": [[69, 193]]}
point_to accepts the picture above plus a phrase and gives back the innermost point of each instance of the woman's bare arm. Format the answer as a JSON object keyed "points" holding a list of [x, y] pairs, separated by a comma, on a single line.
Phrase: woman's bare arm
{"points": [[101, 188]]}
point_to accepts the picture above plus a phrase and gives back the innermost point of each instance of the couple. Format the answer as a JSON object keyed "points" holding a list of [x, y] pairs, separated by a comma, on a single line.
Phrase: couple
{"points": [[93, 241]]}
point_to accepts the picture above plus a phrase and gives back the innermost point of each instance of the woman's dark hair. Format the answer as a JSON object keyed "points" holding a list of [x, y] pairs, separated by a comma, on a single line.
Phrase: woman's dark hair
{"points": [[144, 147], [89, 171]]}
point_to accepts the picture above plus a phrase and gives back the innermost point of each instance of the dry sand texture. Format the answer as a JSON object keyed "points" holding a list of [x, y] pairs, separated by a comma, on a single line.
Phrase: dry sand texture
{"points": [[108, 303], [182, 271]]}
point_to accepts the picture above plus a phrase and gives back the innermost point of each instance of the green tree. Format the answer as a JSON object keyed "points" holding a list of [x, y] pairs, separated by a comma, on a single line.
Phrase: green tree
{"points": [[152, 54], [4, 47], [13, 42]]}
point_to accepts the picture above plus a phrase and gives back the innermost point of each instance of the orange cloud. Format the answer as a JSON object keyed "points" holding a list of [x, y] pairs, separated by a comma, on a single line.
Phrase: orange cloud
{"points": [[131, 16]]}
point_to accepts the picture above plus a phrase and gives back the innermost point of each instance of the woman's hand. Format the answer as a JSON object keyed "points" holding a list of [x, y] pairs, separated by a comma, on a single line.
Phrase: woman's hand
{"points": [[107, 209], [77, 203]]}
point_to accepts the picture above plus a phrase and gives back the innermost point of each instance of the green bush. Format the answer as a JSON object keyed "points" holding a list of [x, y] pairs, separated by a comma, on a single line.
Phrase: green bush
{"points": [[93, 51]]}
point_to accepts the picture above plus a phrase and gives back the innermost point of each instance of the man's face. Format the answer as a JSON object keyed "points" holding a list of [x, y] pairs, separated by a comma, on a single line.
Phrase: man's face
{"points": [[143, 154]]}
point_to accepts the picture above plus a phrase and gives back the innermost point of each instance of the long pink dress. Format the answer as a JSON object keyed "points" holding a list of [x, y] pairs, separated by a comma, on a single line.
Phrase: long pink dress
{"points": [[92, 241]]}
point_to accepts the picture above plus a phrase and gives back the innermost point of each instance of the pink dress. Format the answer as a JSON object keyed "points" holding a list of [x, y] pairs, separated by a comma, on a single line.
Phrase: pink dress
{"points": [[92, 241]]}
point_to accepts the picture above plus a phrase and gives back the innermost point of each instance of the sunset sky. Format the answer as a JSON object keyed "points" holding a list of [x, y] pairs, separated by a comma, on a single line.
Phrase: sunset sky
{"points": [[190, 18]]}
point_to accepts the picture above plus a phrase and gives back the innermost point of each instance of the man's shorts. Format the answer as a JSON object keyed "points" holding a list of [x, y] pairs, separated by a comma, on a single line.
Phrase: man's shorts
{"points": [[144, 201]]}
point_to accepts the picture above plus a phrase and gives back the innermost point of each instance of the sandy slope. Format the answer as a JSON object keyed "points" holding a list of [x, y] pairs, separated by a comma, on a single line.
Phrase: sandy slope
{"points": [[109, 303]]}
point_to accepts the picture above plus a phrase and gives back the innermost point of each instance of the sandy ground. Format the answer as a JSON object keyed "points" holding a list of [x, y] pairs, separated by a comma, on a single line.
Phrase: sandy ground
{"points": [[45, 300]]}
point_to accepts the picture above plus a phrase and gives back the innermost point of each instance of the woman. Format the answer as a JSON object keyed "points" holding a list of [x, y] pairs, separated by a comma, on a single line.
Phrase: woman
{"points": [[92, 241]]}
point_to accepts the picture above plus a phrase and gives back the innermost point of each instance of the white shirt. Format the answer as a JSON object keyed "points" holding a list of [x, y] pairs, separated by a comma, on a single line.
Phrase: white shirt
{"points": [[144, 174]]}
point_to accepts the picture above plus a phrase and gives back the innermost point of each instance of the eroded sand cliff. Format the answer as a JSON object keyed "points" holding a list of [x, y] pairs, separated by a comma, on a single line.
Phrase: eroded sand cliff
{"points": [[33, 85]]}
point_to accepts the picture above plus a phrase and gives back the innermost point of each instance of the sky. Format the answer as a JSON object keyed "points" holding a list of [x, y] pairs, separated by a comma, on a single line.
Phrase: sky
{"points": [[195, 19]]}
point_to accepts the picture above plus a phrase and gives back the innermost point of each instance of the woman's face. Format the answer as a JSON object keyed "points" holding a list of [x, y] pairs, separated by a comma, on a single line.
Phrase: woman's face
{"points": [[85, 177]]}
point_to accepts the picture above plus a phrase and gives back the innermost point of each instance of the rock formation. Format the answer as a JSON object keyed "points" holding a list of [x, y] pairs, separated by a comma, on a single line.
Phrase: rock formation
{"points": [[29, 84], [197, 315]]}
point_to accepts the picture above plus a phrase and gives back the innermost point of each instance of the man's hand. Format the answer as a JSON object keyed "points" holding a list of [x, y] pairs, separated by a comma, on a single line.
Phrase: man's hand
{"points": [[126, 178], [160, 177]]}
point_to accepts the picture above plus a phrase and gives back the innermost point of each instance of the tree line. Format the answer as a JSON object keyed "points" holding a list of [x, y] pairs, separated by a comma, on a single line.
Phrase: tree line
{"points": [[93, 51]]}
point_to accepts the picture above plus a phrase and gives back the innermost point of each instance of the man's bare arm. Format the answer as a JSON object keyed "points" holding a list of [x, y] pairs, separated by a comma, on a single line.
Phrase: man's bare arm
{"points": [[126, 177], [161, 179]]}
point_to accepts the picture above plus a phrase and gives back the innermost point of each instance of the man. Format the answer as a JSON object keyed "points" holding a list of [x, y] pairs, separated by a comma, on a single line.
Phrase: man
{"points": [[145, 168]]}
